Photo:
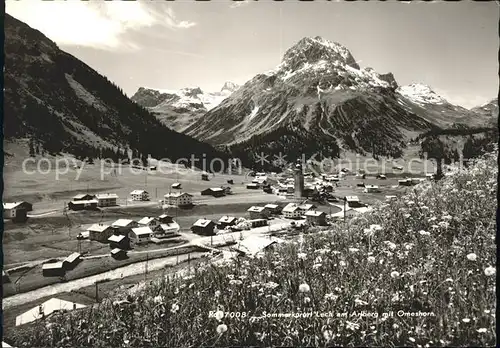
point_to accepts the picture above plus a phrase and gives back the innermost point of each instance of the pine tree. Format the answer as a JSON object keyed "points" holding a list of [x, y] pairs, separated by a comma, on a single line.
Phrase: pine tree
{"points": [[32, 149]]}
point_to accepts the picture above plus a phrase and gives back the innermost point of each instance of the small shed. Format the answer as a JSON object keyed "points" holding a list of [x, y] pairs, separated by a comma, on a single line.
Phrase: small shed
{"points": [[5, 277], [213, 191], [53, 269], [177, 186], [253, 186], [405, 182], [227, 221], [273, 208], [83, 205], [257, 223], [371, 189], [381, 177], [230, 181], [257, 212], [119, 241], [203, 227], [71, 261], [353, 201], [118, 253], [165, 218], [204, 177], [83, 197]]}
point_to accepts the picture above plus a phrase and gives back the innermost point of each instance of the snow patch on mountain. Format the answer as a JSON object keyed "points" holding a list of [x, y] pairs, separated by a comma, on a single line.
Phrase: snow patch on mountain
{"points": [[192, 98], [421, 94], [254, 112]]}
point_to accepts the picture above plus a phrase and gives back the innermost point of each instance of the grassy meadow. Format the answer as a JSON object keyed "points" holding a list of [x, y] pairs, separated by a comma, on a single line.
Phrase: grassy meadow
{"points": [[426, 261]]}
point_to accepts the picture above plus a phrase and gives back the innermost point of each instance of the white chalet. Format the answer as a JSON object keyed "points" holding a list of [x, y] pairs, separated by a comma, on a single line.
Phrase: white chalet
{"points": [[106, 199], [178, 199], [140, 235], [139, 195], [291, 211], [150, 222]]}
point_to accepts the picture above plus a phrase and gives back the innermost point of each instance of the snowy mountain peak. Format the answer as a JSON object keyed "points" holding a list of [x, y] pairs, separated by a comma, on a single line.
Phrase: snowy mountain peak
{"points": [[191, 91], [421, 94], [229, 87], [312, 50]]}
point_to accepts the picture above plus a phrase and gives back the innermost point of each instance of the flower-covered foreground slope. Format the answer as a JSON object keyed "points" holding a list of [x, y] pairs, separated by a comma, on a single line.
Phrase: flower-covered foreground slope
{"points": [[431, 253]]}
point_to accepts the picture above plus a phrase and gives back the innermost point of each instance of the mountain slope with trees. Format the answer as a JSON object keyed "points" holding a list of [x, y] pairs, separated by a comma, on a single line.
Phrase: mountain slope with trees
{"points": [[64, 105]]}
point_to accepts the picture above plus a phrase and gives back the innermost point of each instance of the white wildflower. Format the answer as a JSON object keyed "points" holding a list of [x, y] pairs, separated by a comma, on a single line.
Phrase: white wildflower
{"points": [[158, 299], [472, 257], [394, 274], [221, 329], [304, 288], [219, 315], [175, 308], [328, 334], [301, 256], [331, 297], [489, 271]]}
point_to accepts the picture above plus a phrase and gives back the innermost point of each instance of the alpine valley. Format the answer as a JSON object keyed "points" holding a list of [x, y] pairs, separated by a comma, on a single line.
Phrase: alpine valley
{"points": [[317, 101]]}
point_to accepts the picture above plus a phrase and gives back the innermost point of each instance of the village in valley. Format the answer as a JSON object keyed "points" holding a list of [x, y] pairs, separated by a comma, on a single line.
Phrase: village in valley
{"points": [[202, 216]]}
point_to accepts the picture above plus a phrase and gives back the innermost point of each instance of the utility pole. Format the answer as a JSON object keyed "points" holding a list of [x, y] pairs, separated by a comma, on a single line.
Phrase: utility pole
{"points": [[345, 203], [96, 292], [146, 267]]}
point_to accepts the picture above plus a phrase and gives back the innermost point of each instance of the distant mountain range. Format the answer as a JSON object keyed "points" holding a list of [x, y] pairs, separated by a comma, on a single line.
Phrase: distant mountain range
{"points": [[179, 109], [318, 100], [64, 105]]}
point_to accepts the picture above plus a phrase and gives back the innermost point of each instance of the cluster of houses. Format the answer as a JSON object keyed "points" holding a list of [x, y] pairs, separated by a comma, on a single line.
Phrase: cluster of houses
{"points": [[86, 201], [17, 211], [123, 234], [184, 199]]}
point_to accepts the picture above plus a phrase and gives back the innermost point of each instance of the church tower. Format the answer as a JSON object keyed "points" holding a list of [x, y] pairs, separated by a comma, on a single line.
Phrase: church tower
{"points": [[299, 180]]}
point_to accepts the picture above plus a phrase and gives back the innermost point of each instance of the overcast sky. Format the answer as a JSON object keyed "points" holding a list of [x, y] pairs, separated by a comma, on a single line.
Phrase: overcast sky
{"points": [[452, 47]]}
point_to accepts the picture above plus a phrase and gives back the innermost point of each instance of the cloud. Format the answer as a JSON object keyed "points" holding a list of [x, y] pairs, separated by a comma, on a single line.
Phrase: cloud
{"points": [[237, 4], [95, 24], [172, 22]]}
